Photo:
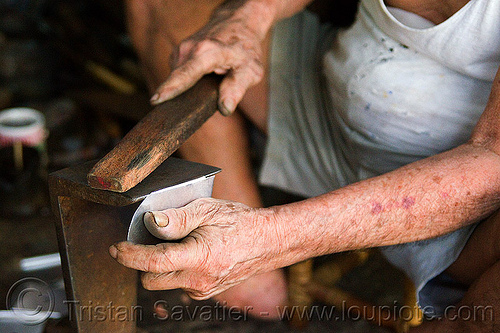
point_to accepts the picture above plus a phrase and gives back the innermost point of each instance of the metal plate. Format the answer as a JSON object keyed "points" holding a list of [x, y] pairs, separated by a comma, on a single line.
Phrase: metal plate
{"points": [[171, 197]]}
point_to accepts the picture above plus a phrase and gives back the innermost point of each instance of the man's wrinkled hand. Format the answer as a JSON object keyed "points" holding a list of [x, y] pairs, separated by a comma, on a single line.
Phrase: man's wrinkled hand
{"points": [[230, 45], [221, 244]]}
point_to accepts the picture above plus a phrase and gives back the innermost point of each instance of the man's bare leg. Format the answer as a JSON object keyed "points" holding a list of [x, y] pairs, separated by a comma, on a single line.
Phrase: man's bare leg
{"points": [[221, 141], [479, 267]]}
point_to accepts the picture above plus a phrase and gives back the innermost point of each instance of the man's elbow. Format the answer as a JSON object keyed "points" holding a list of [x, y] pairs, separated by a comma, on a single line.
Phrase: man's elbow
{"points": [[487, 137]]}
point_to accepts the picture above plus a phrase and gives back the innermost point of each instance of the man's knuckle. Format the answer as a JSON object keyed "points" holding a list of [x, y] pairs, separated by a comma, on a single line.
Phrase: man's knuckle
{"points": [[186, 45], [182, 219], [156, 262], [202, 206], [211, 210], [204, 46], [255, 71], [167, 263]]}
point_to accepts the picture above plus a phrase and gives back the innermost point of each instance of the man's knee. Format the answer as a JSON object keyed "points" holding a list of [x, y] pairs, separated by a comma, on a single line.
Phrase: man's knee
{"points": [[217, 135]]}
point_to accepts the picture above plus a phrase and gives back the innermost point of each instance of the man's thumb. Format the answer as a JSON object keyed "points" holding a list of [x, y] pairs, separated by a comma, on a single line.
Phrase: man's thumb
{"points": [[170, 224]]}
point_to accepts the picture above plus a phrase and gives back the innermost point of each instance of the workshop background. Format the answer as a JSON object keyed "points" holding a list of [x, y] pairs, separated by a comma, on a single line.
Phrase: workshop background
{"points": [[72, 62]]}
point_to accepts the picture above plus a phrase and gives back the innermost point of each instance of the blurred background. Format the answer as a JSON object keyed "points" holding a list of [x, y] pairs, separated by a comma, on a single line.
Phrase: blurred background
{"points": [[70, 87]]}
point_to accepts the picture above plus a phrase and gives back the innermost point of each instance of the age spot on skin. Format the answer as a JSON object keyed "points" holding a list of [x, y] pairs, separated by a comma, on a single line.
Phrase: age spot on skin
{"points": [[377, 208], [408, 202]]}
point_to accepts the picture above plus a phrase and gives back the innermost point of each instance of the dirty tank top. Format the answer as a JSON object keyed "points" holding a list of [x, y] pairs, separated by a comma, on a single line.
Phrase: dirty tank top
{"points": [[403, 88]]}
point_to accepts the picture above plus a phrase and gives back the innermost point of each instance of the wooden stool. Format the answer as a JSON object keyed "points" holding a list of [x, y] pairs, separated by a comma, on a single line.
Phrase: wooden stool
{"points": [[307, 285]]}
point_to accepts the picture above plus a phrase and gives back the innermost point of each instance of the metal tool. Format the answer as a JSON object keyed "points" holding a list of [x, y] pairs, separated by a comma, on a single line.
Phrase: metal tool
{"points": [[170, 197], [91, 220]]}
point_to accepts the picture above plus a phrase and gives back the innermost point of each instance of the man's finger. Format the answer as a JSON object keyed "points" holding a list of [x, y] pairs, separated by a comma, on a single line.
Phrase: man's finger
{"points": [[174, 223], [162, 281], [176, 280], [186, 76], [159, 258], [234, 86]]}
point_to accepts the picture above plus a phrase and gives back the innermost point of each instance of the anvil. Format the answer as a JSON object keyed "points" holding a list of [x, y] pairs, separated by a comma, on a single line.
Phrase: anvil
{"points": [[92, 219]]}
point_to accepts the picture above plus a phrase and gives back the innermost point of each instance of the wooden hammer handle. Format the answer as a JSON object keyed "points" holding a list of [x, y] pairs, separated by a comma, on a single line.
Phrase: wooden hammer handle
{"points": [[155, 138]]}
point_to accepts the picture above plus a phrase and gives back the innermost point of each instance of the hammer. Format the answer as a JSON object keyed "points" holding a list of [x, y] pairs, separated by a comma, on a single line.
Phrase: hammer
{"points": [[155, 138]]}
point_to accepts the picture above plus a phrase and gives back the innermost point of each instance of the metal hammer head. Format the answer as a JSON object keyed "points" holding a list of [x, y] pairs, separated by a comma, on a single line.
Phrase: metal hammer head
{"points": [[174, 183]]}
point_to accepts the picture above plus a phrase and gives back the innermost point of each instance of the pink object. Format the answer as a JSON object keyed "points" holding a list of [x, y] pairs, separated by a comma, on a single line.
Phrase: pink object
{"points": [[23, 125]]}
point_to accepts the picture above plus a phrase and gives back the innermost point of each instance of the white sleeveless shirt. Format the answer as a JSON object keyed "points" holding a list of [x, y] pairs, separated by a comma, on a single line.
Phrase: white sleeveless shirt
{"points": [[403, 89], [468, 42]]}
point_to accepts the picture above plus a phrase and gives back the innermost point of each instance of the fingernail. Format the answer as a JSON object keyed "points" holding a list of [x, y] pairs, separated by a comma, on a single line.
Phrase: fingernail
{"points": [[113, 251], [227, 107], [155, 98], [157, 218]]}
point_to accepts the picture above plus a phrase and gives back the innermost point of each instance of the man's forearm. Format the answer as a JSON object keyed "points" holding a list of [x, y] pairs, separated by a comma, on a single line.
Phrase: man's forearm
{"points": [[422, 200]]}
